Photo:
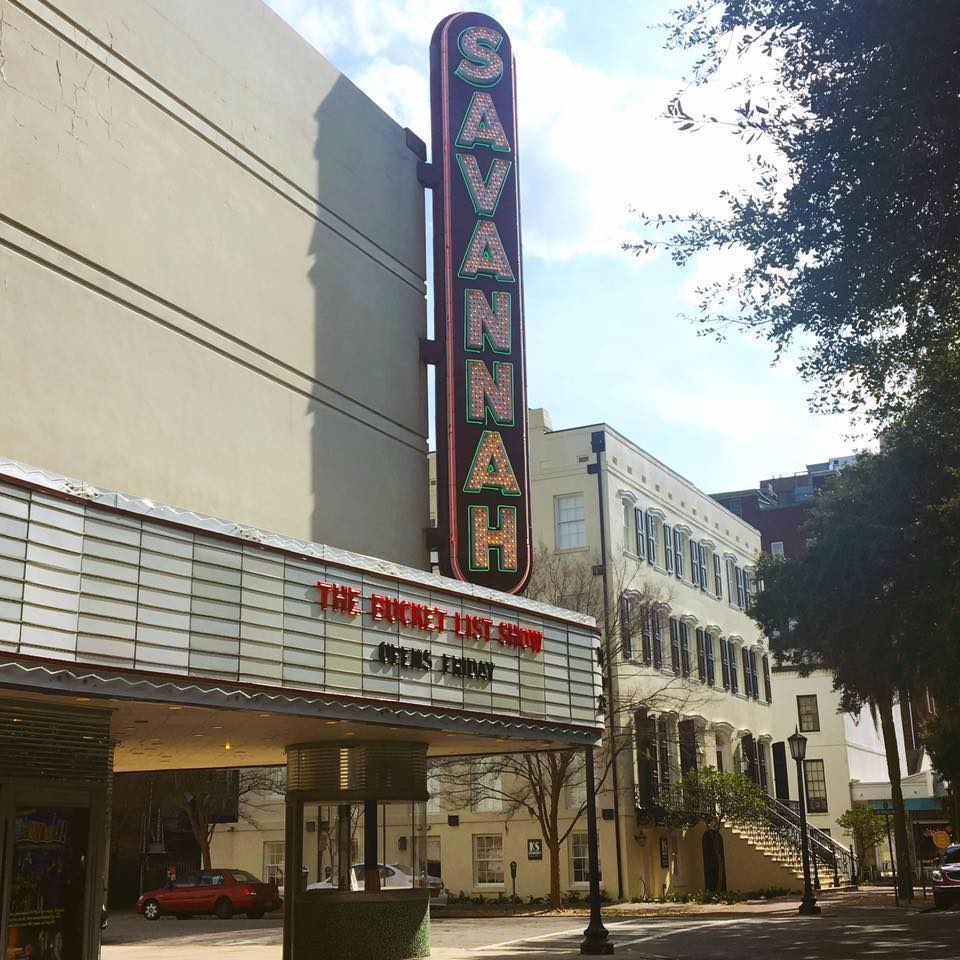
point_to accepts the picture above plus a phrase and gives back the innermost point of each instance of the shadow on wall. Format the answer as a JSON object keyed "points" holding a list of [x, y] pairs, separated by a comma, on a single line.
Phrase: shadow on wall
{"points": [[367, 254]]}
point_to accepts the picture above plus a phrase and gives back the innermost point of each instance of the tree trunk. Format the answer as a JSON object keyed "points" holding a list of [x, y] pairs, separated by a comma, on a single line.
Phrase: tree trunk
{"points": [[904, 875], [205, 853], [556, 900], [714, 866]]}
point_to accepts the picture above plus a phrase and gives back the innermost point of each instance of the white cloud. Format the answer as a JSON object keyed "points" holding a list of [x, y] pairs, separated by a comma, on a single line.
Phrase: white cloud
{"points": [[592, 143]]}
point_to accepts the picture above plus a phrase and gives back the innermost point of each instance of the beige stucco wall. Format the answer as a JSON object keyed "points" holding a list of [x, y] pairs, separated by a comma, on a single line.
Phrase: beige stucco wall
{"points": [[558, 464], [212, 263], [559, 460]]}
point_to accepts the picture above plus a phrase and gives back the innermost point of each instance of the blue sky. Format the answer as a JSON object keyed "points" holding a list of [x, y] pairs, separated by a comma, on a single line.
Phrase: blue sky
{"points": [[605, 337]]}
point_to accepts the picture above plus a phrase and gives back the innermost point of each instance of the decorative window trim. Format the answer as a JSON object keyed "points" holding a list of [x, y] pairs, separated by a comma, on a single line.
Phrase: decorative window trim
{"points": [[629, 496]]}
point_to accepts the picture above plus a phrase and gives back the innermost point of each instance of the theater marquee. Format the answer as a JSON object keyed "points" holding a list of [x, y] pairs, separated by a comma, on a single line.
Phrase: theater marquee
{"points": [[483, 503]]}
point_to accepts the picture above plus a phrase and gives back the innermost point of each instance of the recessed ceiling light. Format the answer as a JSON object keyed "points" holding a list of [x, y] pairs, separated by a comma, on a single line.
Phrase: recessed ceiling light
{"points": [[228, 746], [82, 699], [199, 734], [174, 706], [264, 714], [217, 726]]}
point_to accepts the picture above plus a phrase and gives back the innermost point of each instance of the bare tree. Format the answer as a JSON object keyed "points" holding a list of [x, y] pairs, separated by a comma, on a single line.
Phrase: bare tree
{"points": [[211, 797], [541, 784]]}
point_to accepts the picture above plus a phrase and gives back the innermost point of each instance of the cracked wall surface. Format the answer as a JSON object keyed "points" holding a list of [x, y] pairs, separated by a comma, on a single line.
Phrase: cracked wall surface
{"points": [[212, 263]]}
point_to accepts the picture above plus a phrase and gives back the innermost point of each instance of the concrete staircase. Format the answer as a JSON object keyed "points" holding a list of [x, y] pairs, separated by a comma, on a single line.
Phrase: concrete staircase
{"points": [[779, 851], [777, 837]]}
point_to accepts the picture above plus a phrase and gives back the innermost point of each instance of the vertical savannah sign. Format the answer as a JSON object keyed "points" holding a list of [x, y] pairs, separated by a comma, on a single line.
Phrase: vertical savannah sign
{"points": [[483, 498]]}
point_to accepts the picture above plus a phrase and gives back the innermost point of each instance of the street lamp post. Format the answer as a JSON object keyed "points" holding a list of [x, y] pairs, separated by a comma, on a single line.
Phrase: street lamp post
{"points": [[798, 750]]}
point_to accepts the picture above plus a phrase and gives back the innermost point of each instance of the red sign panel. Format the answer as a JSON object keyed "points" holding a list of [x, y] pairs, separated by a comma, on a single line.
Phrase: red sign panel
{"points": [[483, 497]]}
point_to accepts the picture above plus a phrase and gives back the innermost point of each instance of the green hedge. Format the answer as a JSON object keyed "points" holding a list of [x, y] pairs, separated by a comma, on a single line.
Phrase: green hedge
{"points": [[361, 928]]}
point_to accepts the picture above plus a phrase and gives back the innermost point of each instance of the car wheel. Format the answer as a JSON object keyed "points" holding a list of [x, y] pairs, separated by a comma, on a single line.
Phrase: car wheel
{"points": [[255, 914], [223, 909], [151, 910]]}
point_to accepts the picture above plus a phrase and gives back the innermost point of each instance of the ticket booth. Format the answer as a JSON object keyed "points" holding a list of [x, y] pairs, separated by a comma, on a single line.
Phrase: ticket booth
{"points": [[367, 800]]}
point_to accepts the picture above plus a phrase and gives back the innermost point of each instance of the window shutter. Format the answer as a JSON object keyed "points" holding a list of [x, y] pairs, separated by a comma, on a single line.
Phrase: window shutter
{"points": [[678, 551], [725, 663], [717, 576], [645, 635], [732, 656], [641, 531], [766, 679], [694, 563], [626, 644], [674, 646], [663, 753], [762, 766], [651, 538], [747, 681], [657, 633], [701, 657], [702, 554], [731, 581], [748, 750], [645, 728], [741, 597], [711, 665], [687, 736], [668, 546], [684, 648], [754, 675]]}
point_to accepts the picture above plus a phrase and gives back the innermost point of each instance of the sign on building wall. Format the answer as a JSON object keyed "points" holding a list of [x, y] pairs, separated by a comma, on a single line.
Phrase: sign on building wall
{"points": [[483, 503], [149, 589]]}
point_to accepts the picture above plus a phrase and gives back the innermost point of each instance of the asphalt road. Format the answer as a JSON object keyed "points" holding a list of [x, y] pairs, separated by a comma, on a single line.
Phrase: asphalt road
{"points": [[853, 933]]}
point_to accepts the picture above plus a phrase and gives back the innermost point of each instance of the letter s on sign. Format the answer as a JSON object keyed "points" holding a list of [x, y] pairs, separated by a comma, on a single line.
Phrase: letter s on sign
{"points": [[481, 65]]}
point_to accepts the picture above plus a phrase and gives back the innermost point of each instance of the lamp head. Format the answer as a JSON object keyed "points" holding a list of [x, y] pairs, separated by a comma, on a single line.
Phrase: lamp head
{"points": [[798, 745]]}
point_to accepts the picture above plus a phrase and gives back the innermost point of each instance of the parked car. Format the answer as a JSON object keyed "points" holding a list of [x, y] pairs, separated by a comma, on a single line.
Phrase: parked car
{"points": [[220, 892], [946, 877], [392, 876]]}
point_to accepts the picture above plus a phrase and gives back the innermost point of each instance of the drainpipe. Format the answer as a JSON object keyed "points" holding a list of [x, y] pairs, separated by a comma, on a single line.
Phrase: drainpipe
{"points": [[598, 444]]}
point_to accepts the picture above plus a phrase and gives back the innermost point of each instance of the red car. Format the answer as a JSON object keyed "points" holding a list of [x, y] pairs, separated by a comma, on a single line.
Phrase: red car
{"points": [[220, 892]]}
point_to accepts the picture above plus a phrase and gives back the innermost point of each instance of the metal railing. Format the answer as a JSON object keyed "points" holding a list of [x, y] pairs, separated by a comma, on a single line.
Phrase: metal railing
{"points": [[825, 852]]}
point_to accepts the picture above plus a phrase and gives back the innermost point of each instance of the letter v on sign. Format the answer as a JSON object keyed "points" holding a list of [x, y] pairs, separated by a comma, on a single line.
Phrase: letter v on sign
{"points": [[485, 191]]}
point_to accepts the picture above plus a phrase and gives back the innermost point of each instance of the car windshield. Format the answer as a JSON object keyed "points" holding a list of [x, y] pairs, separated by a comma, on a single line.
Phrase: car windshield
{"points": [[241, 876], [952, 856]]}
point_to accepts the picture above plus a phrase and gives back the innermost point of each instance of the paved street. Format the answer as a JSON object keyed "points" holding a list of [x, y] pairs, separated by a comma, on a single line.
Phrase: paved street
{"points": [[852, 929]]}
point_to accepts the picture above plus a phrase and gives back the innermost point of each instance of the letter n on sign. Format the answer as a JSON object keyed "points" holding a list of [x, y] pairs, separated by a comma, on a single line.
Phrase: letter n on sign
{"points": [[483, 491]]}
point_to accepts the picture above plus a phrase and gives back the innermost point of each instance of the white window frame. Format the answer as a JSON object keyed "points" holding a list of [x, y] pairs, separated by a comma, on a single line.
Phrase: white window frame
{"points": [[487, 884], [270, 848], [575, 527], [774, 552], [579, 839]]}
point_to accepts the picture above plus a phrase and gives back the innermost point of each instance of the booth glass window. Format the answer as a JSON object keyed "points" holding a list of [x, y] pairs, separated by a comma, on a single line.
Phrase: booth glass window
{"points": [[334, 852], [488, 860]]}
